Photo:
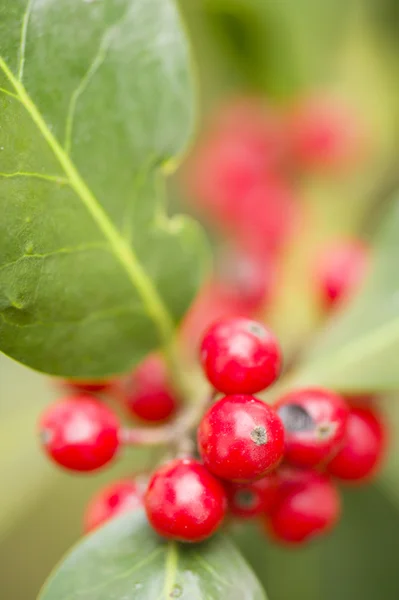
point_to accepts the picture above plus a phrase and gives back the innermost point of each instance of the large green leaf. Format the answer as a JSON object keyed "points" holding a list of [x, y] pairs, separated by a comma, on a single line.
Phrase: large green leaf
{"points": [[95, 96], [359, 349], [125, 560]]}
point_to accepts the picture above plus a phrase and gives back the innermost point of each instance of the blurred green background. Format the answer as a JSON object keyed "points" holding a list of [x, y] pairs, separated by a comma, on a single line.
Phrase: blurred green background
{"points": [[280, 49]]}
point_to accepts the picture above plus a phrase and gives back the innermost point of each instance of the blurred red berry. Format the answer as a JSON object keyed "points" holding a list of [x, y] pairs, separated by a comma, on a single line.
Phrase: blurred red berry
{"points": [[246, 278], [267, 218], [248, 500], [341, 269], [240, 438], [88, 386], [326, 135], [240, 356], [314, 423], [363, 449], [111, 501], [149, 396], [243, 143], [80, 433], [185, 502], [307, 509]]}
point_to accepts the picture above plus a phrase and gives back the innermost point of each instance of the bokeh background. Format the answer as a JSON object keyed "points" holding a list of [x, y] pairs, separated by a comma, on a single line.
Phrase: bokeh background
{"points": [[280, 51]]}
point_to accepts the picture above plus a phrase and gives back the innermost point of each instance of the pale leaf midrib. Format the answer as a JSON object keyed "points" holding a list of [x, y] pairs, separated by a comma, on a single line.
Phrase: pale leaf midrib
{"points": [[123, 252], [361, 348]]}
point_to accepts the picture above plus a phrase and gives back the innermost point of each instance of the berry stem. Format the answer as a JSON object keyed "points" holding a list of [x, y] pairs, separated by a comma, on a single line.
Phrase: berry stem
{"points": [[174, 434]]}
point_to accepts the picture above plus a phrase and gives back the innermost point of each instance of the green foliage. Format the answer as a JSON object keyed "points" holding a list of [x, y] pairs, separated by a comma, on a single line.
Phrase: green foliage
{"points": [[272, 44], [126, 560], [92, 274], [358, 350]]}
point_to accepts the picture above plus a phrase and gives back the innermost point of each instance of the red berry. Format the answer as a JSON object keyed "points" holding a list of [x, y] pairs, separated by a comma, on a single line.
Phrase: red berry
{"points": [[248, 500], [111, 501], [315, 424], [244, 142], [240, 356], [326, 135], [240, 438], [88, 386], [184, 501], [341, 269], [363, 449], [149, 395], [80, 433], [245, 278], [267, 218], [310, 507]]}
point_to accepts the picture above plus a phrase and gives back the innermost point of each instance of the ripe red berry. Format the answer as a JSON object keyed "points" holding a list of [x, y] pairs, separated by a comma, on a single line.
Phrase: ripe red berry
{"points": [[341, 268], [184, 501], [315, 424], [363, 448], [111, 501], [240, 438], [80, 433], [240, 356], [149, 396], [310, 507], [248, 500]]}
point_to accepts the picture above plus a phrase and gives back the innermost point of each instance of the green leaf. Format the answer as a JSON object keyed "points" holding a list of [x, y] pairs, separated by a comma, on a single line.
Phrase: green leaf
{"points": [[95, 97], [125, 560], [358, 350]]}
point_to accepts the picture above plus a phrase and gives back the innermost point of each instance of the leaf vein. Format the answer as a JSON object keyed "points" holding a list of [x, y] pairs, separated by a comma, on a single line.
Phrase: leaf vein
{"points": [[91, 71], [153, 303], [8, 93], [208, 567], [94, 316], [44, 176], [73, 250], [24, 34], [172, 559]]}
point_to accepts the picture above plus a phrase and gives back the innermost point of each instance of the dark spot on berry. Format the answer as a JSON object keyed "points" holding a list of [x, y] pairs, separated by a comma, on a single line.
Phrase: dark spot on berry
{"points": [[245, 499], [326, 430], [256, 329], [295, 418], [259, 435]]}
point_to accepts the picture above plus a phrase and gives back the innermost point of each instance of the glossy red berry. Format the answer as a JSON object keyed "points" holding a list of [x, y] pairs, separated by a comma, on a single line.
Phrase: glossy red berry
{"points": [[341, 269], [185, 502], [363, 449], [113, 500], [240, 356], [315, 424], [149, 396], [80, 433], [308, 508], [248, 500], [240, 438]]}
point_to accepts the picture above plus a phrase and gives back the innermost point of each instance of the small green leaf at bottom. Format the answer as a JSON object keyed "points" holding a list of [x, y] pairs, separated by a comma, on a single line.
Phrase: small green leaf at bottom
{"points": [[126, 560]]}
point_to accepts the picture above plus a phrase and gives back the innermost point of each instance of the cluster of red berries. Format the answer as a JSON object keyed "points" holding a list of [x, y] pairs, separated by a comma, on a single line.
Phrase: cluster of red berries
{"points": [[243, 177], [278, 463]]}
